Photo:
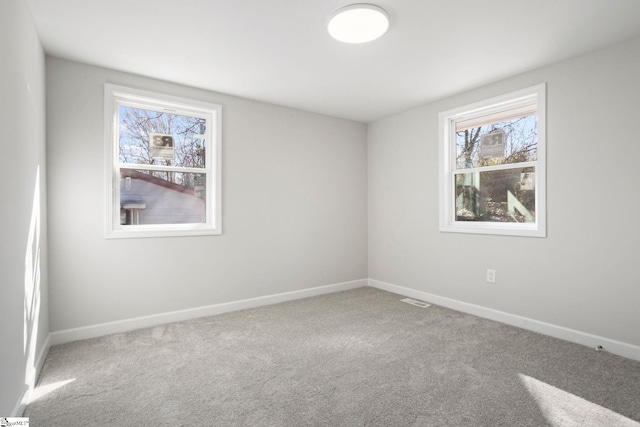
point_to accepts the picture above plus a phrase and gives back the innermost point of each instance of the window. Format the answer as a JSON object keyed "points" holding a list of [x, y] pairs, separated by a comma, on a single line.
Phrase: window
{"points": [[162, 165], [492, 171]]}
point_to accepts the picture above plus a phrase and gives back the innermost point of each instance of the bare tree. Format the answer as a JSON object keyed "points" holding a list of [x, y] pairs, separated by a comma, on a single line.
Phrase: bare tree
{"points": [[520, 145], [135, 126]]}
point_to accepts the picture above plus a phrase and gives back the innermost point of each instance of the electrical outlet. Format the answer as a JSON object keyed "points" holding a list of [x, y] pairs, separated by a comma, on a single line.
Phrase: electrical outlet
{"points": [[491, 275]]}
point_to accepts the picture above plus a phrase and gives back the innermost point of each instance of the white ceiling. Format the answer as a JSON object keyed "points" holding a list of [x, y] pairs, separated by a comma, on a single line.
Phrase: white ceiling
{"points": [[279, 51]]}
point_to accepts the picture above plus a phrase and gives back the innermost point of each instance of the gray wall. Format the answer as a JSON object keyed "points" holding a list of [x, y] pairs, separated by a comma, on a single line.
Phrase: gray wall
{"points": [[294, 208], [585, 274], [23, 252]]}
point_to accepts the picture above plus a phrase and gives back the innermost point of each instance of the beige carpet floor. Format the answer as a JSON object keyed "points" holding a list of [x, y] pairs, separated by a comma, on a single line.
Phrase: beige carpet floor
{"points": [[354, 358]]}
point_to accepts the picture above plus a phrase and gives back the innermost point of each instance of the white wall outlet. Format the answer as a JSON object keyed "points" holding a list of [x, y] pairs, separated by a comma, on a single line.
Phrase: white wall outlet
{"points": [[491, 275]]}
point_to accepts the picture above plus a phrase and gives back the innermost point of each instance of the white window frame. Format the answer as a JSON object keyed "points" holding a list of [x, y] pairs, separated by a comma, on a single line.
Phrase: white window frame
{"points": [[114, 96], [447, 164]]}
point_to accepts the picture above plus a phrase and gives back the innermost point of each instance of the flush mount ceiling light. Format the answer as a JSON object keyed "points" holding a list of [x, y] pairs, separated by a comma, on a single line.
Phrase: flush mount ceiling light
{"points": [[358, 23]]}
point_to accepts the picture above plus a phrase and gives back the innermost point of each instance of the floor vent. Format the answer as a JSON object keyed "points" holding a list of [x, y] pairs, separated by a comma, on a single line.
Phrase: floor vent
{"points": [[415, 302]]}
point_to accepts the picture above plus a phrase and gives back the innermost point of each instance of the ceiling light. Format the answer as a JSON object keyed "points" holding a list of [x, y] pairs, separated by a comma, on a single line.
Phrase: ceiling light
{"points": [[358, 23]]}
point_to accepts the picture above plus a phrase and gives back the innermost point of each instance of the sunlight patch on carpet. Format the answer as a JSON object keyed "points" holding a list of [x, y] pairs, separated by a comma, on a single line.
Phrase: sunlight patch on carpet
{"points": [[43, 390], [563, 409]]}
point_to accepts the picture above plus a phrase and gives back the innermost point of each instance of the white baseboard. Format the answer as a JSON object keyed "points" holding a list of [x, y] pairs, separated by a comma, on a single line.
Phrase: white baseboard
{"points": [[93, 331], [44, 351], [25, 399], [18, 410], [612, 346], [629, 351]]}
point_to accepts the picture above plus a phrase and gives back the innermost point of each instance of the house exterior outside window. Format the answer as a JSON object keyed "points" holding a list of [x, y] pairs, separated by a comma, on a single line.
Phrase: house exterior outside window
{"points": [[162, 165], [492, 166]]}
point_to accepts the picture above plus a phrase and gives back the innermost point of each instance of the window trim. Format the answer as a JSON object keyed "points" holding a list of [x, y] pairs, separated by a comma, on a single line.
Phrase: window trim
{"points": [[115, 95], [447, 157]]}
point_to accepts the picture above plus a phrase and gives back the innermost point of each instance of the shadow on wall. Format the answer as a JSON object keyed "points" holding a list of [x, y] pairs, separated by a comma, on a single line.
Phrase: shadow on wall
{"points": [[32, 303], [32, 289]]}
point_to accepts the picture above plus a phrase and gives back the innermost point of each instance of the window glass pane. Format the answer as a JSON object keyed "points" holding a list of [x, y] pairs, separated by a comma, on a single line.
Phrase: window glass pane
{"points": [[162, 197], [149, 137], [503, 142], [496, 196]]}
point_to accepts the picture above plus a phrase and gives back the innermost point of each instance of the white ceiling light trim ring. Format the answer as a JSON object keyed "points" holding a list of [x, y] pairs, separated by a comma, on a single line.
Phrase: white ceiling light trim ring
{"points": [[358, 23]]}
